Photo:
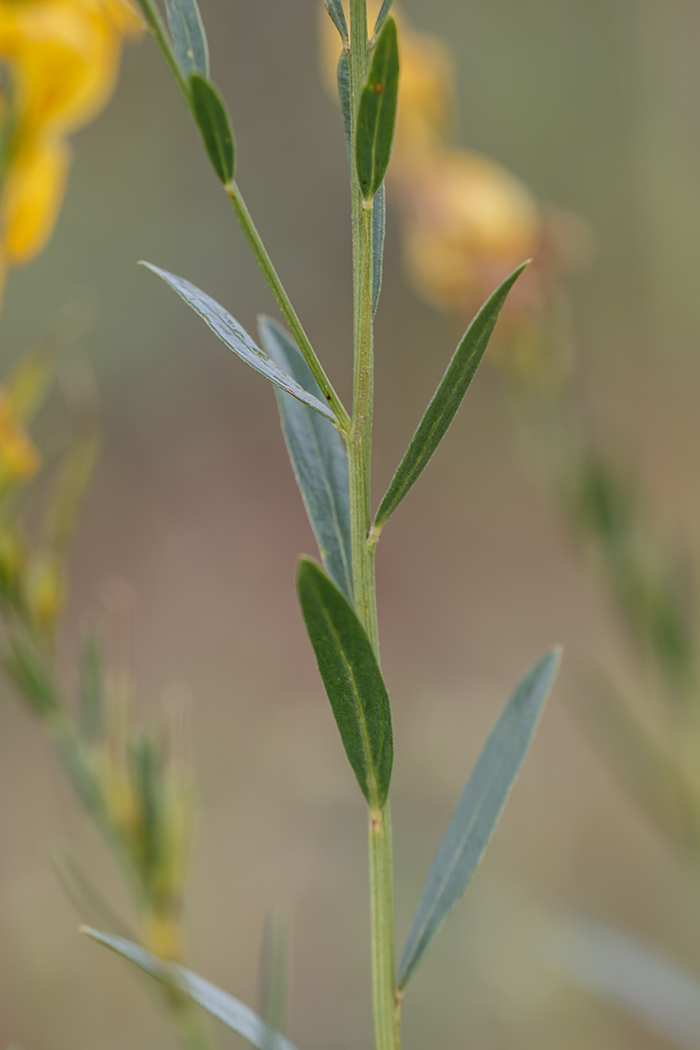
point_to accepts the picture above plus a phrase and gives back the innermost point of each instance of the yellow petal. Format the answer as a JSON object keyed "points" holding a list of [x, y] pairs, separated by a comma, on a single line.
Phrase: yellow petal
{"points": [[31, 198], [64, 60]]}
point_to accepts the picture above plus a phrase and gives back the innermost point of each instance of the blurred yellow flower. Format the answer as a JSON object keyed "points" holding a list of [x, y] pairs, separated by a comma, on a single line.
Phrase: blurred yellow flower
{"points": [[19, 459], [467, 221], [60, 60], [426, 91]]}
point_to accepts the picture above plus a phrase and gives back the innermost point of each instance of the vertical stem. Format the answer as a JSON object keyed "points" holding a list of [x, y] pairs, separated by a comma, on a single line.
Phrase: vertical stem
{"points": [[386, 1026]]}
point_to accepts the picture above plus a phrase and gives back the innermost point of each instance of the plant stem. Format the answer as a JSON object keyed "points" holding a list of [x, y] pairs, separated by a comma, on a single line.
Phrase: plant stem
{"points": [[288, 312], [359, 445]]}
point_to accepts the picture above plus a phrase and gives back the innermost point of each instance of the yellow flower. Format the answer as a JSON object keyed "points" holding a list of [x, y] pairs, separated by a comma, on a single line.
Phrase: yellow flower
{"points": [[61, 59]]}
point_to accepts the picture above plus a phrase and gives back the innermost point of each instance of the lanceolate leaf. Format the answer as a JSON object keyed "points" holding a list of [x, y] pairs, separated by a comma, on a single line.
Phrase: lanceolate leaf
{"points": [[234, 1014], [344, 96], [189, 38], [214, 125], [376, 116], [378, 228], [237, 339], [318, 458], [352, 679], [478, 809], [382, 16], [446, 399], [335, 10]]}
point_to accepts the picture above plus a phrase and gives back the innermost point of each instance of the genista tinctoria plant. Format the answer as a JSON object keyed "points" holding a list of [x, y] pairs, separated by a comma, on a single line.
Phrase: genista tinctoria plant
{"points": [[330, 450]]}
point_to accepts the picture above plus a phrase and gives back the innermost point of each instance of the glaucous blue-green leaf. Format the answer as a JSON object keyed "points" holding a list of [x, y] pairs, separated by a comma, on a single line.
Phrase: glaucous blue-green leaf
{"points": [[344, 94], [446, 399], [376, 116], [378, 228], [318, 458], [382, 17], [335, 10], [352, 678], [235, 337], [188, 36], [214, 125], [234, 1014], [478, 809]]}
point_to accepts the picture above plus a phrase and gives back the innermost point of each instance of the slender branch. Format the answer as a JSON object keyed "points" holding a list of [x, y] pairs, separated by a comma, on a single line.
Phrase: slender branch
{"points": [[288, 312]]}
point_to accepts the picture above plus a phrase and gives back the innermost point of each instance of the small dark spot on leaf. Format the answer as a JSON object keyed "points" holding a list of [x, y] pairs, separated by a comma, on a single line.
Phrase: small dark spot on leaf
{"points": [[377, 88]]}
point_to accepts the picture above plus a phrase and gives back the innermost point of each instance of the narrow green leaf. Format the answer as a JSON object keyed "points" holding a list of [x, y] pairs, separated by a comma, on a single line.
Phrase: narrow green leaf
{"points": [[352, 678], [234, 1014], [345, 94], [318, 458], [214, 125], [237, 339], [376, 117], [382, 17], [335, 10], [378, 228], [91, 686], [446, 399], [478, 809], [188, 36]]}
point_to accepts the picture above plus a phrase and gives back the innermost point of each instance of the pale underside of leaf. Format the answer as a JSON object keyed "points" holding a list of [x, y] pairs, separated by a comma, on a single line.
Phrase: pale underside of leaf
{"points": [[237, 339], [188, 36], [318, 458], [232, 1013], [478, 810]]}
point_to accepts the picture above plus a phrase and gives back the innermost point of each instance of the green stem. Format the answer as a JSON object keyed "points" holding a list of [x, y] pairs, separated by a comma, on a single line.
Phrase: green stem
{"points": [[288, 312], [359, 446]]}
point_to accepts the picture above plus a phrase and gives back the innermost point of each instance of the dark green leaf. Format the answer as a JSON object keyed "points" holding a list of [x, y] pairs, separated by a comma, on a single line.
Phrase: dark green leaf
{"points": [[335, 10], [214, 125], [382, 17], [318, 458], [478, 809], [376, 116], [189, 38], [91, 686], [446, 399], [345, 94], [237, 339], [352, 678], [378, 228], [234, 1014]]}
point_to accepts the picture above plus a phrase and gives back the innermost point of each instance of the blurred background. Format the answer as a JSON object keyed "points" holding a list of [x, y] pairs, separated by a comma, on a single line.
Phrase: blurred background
{"points": [[596, 107]]}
